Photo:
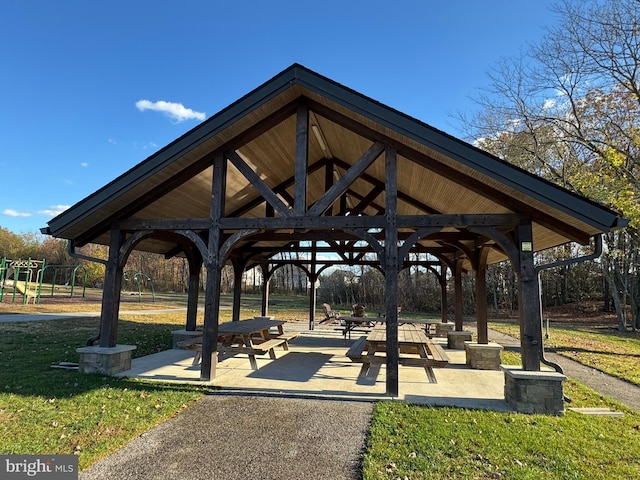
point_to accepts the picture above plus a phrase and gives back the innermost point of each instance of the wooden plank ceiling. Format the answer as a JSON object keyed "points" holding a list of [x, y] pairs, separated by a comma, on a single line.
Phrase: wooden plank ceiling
{"points": [[437, 174]]}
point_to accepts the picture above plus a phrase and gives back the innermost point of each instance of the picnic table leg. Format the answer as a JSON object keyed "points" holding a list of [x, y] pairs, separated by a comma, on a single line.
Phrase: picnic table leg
{"points": [[197, 357], [214, 364], [366, 362], [252, 358], [422, 351]]}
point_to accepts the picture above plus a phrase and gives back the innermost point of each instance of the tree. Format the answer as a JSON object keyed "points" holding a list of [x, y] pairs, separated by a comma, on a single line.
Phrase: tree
{"points": [[568, 109]]}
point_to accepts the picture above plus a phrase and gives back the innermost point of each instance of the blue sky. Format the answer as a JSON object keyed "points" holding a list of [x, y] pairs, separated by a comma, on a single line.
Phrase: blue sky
{"points": [[88, 89]]}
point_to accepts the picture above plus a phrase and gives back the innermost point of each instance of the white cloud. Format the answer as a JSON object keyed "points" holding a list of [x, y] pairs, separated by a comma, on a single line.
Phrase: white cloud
{"points": [[175, 111], [84, 164], [54, 210], [13, 213]]}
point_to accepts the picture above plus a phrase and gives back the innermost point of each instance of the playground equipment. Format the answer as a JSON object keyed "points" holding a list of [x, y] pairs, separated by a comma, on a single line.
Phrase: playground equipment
{"points": [[72, 272], [139, 279], [23, 277]]}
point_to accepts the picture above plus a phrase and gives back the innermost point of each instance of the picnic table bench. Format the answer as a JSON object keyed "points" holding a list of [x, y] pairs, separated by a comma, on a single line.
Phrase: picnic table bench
{"points": [[411, 341], [250, 337]]}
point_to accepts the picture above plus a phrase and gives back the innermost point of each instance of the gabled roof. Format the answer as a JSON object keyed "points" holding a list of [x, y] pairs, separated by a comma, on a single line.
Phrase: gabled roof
{"points": [[437, 173]]}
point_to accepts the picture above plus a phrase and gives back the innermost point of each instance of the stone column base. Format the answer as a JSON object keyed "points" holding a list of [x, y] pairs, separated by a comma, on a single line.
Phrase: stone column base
{"points": [[456, 340], [442, 329], [182, 335], [105, 360], [534, 392], [483, 356]]}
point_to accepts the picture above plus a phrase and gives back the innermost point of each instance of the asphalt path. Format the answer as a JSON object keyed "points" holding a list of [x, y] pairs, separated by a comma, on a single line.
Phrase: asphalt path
{"points": [[243, 437]]}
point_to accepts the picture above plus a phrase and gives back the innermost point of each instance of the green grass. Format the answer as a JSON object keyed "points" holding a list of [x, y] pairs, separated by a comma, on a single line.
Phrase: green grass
{"points": [[605, 349], [47, 410], [418, 442]]}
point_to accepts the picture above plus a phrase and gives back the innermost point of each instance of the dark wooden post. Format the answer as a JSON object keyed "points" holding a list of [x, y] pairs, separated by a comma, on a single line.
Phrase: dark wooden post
{"points": [[529, 301], [481, 296], [458, 305], [313, 294], [266, 276], [111, 292], [238, 270], [391, 270], [313, 298], [214, 266], [302, 149], [195, 264], [443, 292]]}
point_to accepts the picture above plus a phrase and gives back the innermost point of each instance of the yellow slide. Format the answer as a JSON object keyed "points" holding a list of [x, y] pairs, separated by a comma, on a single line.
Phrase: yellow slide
{"points": [[21, 287]]}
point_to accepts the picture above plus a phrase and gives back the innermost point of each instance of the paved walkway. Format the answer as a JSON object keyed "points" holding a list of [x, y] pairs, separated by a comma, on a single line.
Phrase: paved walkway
{"points": [[241, 437], [33, 317]]}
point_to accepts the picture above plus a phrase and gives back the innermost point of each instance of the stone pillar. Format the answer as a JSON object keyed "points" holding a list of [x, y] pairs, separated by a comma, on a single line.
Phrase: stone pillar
{"points": [[483, 356], [443, 329], [534, 392], [105, 360], [456, 340]]}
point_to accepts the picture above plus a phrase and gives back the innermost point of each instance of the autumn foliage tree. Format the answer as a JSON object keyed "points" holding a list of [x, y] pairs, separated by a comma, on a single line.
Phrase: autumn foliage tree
{"points": [[568, 109]]}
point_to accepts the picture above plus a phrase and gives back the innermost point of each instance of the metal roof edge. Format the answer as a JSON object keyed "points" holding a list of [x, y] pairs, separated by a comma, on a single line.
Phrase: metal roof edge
{"points": [[168, 153], [582, 208]]}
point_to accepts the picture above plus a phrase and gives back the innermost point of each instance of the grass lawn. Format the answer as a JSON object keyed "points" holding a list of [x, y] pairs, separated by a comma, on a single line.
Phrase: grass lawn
{"points": [[592, 344], [47, 410], [420, 442]]}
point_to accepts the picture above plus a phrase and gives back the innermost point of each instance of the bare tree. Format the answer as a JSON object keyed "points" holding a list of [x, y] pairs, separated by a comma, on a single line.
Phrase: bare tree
{"points": [[568, 109]]}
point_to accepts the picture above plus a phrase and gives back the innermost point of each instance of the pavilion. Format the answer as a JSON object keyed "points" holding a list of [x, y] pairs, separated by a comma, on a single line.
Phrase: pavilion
{"points": [[305, 164]]}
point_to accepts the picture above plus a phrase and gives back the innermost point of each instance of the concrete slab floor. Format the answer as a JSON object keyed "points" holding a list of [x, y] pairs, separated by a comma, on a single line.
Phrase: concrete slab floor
{"points": [[316, 366]]}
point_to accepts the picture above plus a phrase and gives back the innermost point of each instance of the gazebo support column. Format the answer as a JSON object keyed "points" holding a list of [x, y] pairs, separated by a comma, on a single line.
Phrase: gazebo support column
{"points": [[108, 358], [194, 286], [266, 277], [458, 305], [313, 298], [111, 293], [238, 270], [529, 301], [214, 266], [481, 297], [443, 292], [189, 332], [391, 269]]}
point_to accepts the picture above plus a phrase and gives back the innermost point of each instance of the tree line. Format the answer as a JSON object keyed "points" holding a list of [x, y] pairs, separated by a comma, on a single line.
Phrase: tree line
{"points": [[419, 288]]}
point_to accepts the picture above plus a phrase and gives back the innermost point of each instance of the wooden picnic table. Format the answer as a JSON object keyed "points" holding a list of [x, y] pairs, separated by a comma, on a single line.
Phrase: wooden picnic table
{"points": [[412, 340], [252, 337], [361, 324], [364, 324]]}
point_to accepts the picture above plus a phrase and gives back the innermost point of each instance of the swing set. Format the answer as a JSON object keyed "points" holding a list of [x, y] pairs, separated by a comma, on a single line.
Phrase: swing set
{"points": [[140, 280], [71, 274]]}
